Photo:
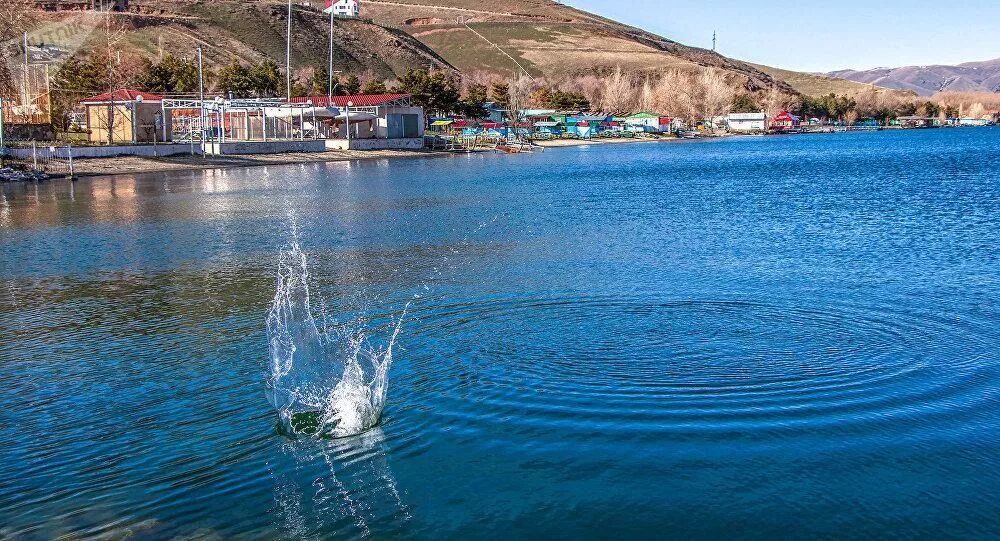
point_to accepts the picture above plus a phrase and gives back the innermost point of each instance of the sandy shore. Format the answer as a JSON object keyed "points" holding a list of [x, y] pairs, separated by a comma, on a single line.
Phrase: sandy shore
{"points": [[136, 164]]}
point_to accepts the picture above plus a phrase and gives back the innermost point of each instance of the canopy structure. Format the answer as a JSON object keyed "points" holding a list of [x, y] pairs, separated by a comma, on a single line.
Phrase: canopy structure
{"points": [[440, 123], [243, 119], [356, 116]]}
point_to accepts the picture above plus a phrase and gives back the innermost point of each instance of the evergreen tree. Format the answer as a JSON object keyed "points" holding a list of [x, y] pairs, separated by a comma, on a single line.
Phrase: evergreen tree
{"points": [[435, 92], [351, 85], [374, 87], [171, 75], [744, 103]]}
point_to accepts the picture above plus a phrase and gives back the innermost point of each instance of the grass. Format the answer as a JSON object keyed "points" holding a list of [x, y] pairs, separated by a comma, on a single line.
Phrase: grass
{"points": [[815, 85]]}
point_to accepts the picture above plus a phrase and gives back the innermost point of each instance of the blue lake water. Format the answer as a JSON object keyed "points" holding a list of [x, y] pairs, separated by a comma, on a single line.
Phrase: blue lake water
{"points": [[751, 337]]}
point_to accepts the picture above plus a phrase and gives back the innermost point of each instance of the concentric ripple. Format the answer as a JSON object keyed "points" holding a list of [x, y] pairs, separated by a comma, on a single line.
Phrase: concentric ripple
{"points": [[635, 364]]}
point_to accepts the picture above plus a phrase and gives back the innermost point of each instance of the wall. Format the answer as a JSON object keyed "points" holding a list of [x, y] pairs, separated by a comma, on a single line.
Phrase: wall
{"points": [[103, 152], [415, 143], [270, 147], [747, 125], [382, 129]]}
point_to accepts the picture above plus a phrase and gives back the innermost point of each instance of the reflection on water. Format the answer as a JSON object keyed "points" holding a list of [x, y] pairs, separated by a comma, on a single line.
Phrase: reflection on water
{"points": [[352, 491]]}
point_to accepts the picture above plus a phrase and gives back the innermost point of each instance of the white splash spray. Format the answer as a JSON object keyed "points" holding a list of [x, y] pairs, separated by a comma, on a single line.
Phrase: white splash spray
{"points": [[330, 382]]}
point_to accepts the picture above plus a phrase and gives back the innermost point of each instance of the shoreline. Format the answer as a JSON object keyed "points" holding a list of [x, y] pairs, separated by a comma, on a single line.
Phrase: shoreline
{"points": [[133, 165]]}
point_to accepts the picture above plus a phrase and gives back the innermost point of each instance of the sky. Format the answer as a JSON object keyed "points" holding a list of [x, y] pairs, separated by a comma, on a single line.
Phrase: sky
{"points": [[821, 35]]}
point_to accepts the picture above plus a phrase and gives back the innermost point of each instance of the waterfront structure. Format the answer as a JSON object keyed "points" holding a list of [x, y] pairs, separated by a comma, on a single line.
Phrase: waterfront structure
{"points": [[125, 116], [915, 121], [548, 127], [970, 121], [583, 126], [371, 116], [495, 112], [647, 122], [747, 122], [785, 121], [343, 8]]}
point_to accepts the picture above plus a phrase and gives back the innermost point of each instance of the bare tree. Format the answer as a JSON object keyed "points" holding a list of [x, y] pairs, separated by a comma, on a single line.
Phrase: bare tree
{"points": [[122, 70], [715, 92], [619, 92], [851, 116], [519, 91], [775, 101], [13, 23], [977, 110], [674, 94], [647, 96]]}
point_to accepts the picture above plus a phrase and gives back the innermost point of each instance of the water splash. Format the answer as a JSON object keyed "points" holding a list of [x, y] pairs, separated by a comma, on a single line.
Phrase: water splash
{"points": [[328, 381]]}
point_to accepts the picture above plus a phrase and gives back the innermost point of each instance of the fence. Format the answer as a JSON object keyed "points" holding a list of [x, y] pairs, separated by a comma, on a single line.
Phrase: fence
{"points": [[54, 160]]}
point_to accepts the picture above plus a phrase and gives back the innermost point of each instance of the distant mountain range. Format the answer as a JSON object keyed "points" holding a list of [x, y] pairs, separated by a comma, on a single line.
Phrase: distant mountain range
{"points": [[926, 80]]}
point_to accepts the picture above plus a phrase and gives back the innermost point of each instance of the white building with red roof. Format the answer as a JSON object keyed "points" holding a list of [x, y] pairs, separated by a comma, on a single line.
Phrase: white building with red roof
{"points": [[343, 8]]}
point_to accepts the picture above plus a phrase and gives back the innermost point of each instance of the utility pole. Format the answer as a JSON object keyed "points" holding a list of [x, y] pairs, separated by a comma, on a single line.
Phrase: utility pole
{"points": [[330, 71], [3, 149], [201, 101], [288, 55], [713, 41], [24, 99]]}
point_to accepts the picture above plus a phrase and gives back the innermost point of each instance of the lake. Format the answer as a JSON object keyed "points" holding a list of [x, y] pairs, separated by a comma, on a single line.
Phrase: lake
{"points": [[747, 337]]}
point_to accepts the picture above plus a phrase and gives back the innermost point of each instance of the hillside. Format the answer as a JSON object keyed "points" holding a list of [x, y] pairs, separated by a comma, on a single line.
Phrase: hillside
{"points": [[243, 31], [546, 38], [500, 37], [927, 80], [812, 84]]}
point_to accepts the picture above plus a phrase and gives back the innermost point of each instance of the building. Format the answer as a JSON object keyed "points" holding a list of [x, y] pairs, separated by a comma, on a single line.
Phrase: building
{"points": [[125, 117], [785, 121], [970, 121], [372, 116], [343, 8], [495, 112], [647, 122], [747, 122], [915, 121]]}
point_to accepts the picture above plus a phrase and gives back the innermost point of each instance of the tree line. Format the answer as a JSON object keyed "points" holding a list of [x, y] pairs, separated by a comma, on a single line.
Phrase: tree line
{"points": [[691, 96]]}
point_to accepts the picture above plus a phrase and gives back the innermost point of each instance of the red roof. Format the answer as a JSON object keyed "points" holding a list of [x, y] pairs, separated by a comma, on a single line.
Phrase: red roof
{"points": [[785, 116], [361, 100], [123, 95]]}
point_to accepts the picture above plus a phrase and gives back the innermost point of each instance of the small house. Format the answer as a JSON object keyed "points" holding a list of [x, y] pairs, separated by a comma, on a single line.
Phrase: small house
{"points": [[970, 121], [343, 8], [647, 122], [747, 122], [548, 128], [785, 121], [495, 112], [915, 121], [585, 126], [867, 123], [125, 117]]}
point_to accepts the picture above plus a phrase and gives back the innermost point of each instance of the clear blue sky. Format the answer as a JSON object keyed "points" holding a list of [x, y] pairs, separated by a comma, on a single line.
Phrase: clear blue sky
{"points": [[822, 35]]}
